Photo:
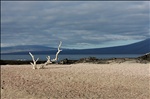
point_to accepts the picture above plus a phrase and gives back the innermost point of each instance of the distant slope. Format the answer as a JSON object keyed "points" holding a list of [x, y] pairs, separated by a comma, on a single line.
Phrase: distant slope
{"points": [[25, 48], [141, 47]]}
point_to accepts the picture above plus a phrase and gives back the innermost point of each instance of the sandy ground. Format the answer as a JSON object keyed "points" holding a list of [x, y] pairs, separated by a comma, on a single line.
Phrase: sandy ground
{"points": [[76, 81]]}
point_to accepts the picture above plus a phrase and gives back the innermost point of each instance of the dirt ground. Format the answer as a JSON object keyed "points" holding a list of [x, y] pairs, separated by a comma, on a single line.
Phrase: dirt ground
{"points": [[76, 81]]}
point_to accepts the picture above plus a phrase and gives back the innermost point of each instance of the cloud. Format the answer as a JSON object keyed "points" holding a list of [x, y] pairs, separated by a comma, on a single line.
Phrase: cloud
{"points": [[76, 23]]}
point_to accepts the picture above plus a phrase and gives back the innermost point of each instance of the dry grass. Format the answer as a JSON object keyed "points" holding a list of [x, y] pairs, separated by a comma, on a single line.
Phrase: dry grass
{"points": [[76, 81]]}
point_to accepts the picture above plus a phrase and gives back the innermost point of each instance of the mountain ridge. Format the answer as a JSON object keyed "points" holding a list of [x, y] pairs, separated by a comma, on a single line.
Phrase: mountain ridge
{"points": [[141, 47], [21, 48]]}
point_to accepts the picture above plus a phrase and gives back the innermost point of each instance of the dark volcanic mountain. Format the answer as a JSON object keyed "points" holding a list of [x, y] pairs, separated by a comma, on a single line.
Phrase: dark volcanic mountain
{"points": [[141, 47], [25, 48]]}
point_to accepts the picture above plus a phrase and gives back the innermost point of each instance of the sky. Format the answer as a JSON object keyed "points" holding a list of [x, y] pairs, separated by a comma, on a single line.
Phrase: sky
{"points": [[78, 24]]}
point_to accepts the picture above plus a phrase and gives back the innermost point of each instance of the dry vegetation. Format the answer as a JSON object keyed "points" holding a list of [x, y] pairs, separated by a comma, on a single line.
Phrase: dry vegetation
{"points": [[76, 81]]}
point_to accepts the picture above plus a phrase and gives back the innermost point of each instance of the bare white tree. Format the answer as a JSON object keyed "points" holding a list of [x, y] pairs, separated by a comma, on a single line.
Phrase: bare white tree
{"points": [[56, 58], [34, 61]]}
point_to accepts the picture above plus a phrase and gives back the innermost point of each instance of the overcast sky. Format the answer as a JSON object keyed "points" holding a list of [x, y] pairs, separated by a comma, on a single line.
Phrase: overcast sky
{"points": [[78, 24]]}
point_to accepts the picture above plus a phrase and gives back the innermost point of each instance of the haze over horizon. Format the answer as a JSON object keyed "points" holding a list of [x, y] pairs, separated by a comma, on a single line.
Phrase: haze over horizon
{"points": [[78, 24]]}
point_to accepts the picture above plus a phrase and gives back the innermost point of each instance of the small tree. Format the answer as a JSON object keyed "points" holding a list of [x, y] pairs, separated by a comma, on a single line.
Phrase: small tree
{"points": [[34, 61], [56, 58]]}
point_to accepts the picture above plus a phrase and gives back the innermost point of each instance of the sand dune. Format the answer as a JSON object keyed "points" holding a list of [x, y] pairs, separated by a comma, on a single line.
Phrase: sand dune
{"points": [[76, 81]]}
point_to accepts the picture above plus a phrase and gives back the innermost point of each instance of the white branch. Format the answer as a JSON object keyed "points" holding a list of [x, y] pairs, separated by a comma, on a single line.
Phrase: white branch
{"points": [[37, 59], [32, 56], [31, 63], [59, 46], [34, 62], [56, 57], [46, 63], [48, 60]]}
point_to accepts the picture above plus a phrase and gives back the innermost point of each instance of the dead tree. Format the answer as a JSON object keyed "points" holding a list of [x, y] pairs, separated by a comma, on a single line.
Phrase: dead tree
{"points": [[34, 61], [56, 58]]}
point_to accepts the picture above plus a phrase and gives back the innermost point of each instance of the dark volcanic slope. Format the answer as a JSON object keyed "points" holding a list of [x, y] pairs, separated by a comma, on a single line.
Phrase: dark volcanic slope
{"points": [[135, 48], [141, 47]]}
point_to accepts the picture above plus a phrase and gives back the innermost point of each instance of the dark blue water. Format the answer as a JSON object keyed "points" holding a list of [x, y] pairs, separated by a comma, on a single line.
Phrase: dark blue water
{"points": [[72, 57]]}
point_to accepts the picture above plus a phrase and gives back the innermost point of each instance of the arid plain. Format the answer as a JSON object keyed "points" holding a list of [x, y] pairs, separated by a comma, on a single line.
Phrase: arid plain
{"points": [[76, 81]]}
